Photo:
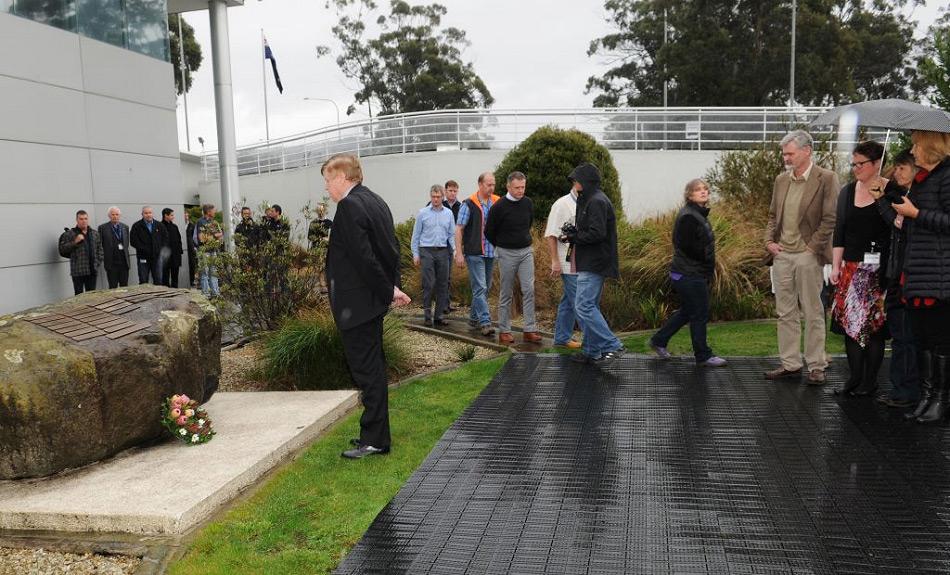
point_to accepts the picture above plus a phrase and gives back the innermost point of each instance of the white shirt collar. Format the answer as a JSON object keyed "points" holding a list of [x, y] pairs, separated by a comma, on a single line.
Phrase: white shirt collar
{"points": [[511, 198]]}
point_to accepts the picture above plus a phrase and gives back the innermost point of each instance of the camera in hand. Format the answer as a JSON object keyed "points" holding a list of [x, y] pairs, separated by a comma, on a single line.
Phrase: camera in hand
{"points": [[893, 195], [568, 233]]}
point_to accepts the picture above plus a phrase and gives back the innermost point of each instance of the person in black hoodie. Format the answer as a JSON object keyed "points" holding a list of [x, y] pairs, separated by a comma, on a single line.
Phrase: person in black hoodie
{"points": [[693, 267], [148, 237], [595, 252], [926, 213]]}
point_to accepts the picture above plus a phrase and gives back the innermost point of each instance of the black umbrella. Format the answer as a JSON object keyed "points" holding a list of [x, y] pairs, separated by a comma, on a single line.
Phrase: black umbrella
{"points": [[891, 113]]}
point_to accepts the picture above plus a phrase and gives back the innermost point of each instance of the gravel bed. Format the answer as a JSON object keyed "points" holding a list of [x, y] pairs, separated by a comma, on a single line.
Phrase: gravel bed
{"points": [[43, 562]]}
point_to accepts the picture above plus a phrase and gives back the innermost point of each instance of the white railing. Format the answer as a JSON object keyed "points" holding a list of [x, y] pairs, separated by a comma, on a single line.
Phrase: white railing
{"points": [[616, 128]]}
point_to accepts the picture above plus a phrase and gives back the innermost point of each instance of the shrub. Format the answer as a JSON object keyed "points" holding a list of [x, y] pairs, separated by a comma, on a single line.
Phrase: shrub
{"points": [[547, 156], [264, 282], [307, 353], [465, 353]]}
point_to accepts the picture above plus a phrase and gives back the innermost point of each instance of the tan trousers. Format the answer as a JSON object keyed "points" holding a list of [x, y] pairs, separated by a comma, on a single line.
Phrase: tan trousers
{"points": [[798, 283]]}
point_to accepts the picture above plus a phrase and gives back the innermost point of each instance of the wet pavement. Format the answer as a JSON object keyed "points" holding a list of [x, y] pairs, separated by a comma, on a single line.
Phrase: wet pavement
{"points": [[646, 466]]}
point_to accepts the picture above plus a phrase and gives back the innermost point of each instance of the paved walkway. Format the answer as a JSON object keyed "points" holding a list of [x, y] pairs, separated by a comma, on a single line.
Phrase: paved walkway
{"points": [[659, 467]]}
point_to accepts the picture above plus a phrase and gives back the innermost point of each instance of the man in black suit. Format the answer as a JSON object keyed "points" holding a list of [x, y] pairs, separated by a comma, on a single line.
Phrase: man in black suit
{"points": [[363, 278], [192, 249], [171, 259], [114, 236], [148, 237]]}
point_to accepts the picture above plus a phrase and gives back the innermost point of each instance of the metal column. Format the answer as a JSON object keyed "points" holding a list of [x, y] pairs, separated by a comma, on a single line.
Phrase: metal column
{"points": [[224, 111]]}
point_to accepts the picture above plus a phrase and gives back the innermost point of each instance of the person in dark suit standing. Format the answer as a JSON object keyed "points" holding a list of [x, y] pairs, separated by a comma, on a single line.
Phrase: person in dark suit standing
{"points": [[192, 249], [115, 249], [172, 258], [363, 277], [148, 237]]}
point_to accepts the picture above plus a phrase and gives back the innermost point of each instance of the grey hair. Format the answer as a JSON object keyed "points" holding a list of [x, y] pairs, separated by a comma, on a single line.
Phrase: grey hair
{"points": [[516, 176], [146, 208], [205, 208], [437, 188], [801, 138], [116, 208]]}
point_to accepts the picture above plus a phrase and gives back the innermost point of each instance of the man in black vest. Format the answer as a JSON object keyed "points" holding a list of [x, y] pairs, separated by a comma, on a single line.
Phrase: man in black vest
{"points": [[192, 248], [172, 259], [363, 274], [148, 237], [114, 236], [475, 251]]}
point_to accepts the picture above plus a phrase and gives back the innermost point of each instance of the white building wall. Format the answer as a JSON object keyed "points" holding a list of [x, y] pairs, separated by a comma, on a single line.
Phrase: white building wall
{"points": [[651, 182], [83, 125]]}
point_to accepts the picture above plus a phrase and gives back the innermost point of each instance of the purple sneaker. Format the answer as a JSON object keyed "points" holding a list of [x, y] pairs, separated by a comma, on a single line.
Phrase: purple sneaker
{"points": [[661, 352], [714, 361]]}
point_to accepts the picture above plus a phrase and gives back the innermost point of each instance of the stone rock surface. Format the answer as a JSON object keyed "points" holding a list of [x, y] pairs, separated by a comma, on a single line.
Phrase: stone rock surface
{"points": [[67, 400]]}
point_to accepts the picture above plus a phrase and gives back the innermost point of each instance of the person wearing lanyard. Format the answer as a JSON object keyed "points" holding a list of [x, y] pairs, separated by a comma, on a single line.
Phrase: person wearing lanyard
{"points": [[114, 235]]}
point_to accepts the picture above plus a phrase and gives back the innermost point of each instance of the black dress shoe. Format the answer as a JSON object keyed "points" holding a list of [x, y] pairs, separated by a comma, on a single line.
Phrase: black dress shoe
{"points": [[427, 322], [364, 450]]}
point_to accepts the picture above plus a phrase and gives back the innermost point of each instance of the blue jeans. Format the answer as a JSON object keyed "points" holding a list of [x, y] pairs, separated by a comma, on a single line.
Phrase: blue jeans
{"points": [[905, 380], [479, 276], [209, 282], [598, 339], [564, 324], [694, 310]]}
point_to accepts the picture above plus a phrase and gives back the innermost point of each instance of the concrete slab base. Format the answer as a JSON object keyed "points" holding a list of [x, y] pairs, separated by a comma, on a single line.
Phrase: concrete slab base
{"points": [[167, 488]]}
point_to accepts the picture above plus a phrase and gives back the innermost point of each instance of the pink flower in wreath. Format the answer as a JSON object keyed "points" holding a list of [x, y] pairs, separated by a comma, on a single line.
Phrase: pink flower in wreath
{"points": [[184, 399], [175, 413], [181, 420]]}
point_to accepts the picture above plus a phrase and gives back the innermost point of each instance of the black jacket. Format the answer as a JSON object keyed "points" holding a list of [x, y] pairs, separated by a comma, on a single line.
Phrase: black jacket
{"points": [[147, 245], [694, 244], [173, 244], [112, 256], [595, 245], [927, 255], [362, 259]]}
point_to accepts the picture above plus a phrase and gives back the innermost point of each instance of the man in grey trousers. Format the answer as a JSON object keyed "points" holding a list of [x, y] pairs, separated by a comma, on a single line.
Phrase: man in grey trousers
{"points": [[433, 240], [509, 230]]}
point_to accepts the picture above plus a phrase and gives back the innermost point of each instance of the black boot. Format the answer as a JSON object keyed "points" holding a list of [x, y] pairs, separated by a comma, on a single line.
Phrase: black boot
{"points": [[941, 391], [925, 367], [855, 367], [872, 357]]}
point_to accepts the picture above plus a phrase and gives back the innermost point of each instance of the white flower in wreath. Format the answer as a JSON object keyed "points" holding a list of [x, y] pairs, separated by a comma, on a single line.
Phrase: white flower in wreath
{"points": [[182, 432], [201, 423], [13, 355], [194, 438]]}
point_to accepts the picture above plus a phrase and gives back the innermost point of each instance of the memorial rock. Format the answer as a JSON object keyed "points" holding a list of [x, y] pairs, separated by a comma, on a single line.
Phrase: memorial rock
{"points": [[85, 378]]}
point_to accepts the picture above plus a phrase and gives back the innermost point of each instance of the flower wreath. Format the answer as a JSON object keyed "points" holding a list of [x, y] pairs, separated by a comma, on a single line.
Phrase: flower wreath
{"points": [[186, 421]]}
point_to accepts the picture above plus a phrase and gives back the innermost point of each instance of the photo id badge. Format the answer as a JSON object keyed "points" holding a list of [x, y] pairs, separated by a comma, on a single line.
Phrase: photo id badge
{"points": [[121, 248], [873, 258]]}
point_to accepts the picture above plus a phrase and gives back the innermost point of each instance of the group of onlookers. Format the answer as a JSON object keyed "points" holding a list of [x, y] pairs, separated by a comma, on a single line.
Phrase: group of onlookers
{"points": [[158, 249], [885, 240], [485, 229]]}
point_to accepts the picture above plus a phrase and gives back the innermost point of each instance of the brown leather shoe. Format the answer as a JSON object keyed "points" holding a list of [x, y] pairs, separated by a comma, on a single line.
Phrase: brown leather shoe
{"points": [[781, 373], [506, 339], [816, 377], [532, 337]]}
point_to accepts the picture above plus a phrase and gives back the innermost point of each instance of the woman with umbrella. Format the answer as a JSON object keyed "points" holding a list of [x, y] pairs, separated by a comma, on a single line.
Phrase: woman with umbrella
{"points": [[927, 267], [859, 247]]}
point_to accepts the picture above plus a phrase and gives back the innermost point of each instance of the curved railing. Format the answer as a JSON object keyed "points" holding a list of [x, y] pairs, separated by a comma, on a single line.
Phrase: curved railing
{"points": [[616, 128]]}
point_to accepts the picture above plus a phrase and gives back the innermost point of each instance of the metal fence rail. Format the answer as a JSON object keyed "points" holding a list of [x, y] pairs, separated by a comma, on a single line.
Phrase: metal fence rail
{"points": [[615, 128]]}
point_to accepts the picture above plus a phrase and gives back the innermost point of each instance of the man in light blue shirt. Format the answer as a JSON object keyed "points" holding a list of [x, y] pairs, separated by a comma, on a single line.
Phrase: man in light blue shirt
{"points": [[433, 240]]}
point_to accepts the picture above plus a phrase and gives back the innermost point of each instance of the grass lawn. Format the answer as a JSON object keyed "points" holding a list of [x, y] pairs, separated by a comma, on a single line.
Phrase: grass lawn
{"points": [[725, 339], [307, 517]]}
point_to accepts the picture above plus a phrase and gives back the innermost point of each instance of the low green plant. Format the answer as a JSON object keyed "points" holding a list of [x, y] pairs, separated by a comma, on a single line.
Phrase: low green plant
{"points": [[307, 353], [465, 353]]}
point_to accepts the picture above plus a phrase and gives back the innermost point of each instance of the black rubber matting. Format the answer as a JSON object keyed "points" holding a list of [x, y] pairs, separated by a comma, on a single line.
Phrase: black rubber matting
{"points": [[660, 467]]}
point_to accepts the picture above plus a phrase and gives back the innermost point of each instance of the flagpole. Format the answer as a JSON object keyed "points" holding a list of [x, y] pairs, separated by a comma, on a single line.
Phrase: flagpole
{"points": [[184, 86], [264, 84]]}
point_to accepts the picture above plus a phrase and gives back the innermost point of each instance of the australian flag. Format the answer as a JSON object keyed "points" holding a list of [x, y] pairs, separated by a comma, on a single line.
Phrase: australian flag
{"points": [[268, 55]]}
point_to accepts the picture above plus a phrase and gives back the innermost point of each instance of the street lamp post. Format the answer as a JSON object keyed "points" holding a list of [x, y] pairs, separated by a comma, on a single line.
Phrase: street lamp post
{"points": [[791, 74], [335, 107]]}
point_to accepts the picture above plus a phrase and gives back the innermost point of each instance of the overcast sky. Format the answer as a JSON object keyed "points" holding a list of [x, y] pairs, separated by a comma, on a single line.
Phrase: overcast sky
{"points": [[530, 53]]}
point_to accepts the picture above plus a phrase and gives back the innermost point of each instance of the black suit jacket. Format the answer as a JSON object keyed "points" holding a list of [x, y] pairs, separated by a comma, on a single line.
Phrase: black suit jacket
{"points": [[362, 259], [173, 243], [110, 252], [148, 245]]}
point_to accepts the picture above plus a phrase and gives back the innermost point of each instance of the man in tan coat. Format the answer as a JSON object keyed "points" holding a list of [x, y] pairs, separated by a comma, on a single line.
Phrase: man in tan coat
{"points": [[798, 238]]}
